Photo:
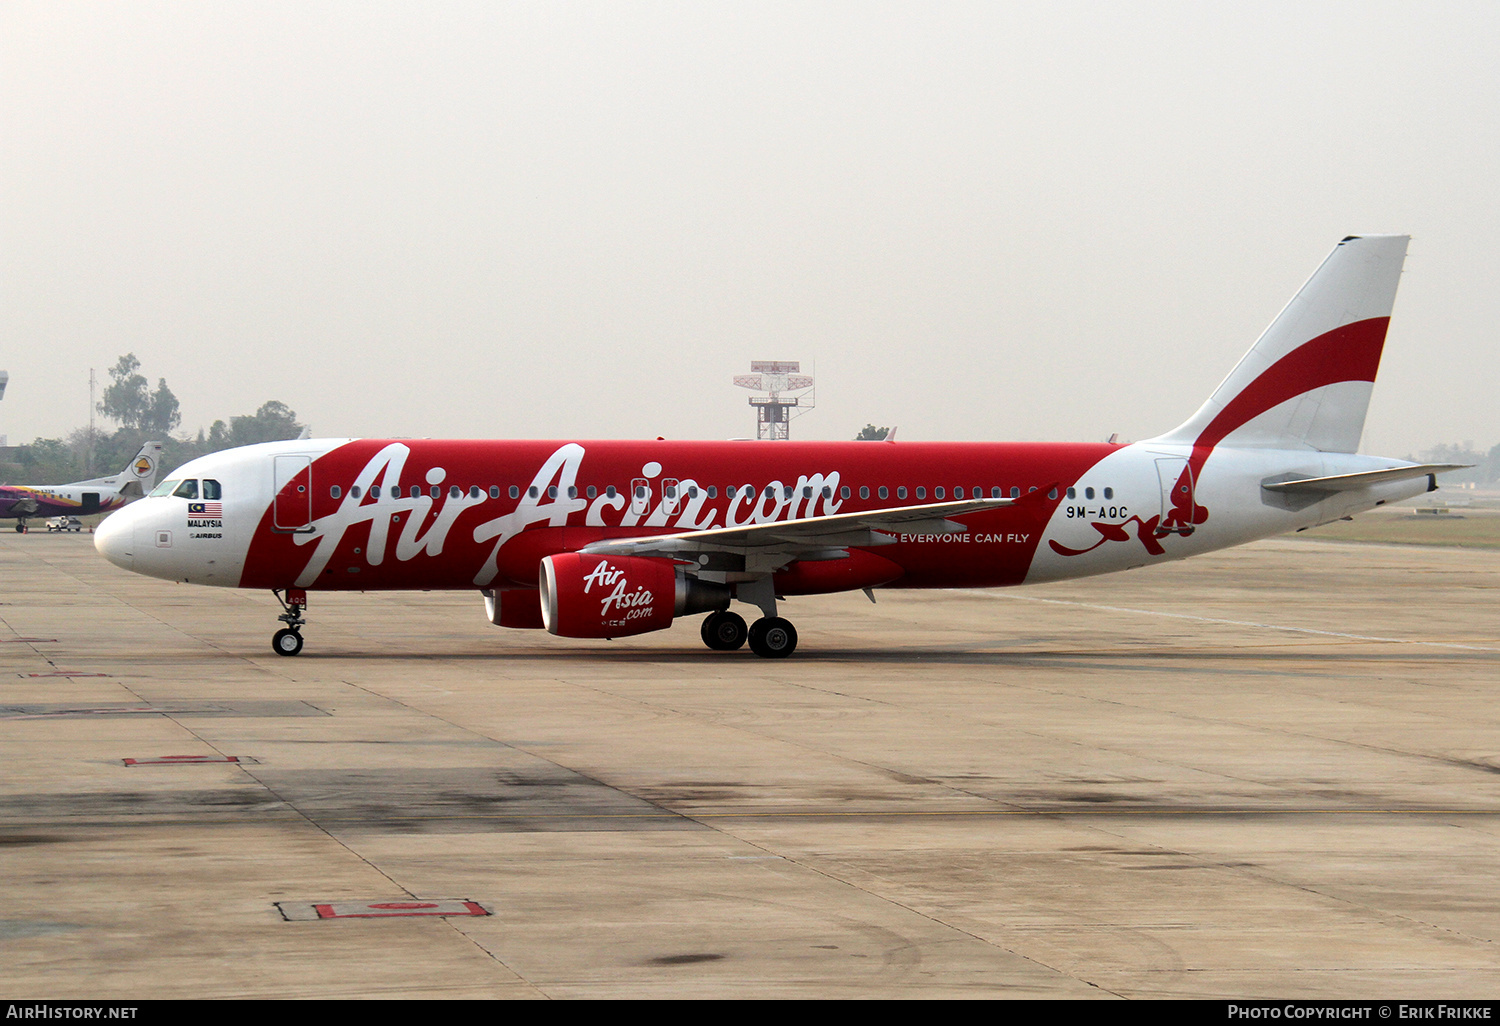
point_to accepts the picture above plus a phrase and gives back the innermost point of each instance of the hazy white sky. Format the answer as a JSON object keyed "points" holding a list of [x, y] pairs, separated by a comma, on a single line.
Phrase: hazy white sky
{"points": [[980, 220]]}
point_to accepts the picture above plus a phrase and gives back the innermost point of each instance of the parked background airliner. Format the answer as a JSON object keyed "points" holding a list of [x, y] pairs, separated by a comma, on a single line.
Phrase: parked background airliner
{"points": [[605, 539], [81, 498]]}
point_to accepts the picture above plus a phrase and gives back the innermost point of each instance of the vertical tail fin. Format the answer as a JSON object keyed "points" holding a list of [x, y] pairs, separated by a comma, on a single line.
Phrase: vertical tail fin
{"points": [[139, 475], [1306, 383]]}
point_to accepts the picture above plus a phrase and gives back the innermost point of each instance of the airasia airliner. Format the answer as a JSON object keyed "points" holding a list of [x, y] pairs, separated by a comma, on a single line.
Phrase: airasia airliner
{"points": [[606, 539]]}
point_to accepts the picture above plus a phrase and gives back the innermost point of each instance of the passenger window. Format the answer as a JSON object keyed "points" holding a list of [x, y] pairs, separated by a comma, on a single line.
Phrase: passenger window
{"points": [[592, 492], [901, 491], [515, 492], [335, 492], [787, 491], [187, 490], [958, 492], [436, 492], [494, 491], [533, 493], [211, 489], [354, 492], [572, 491], [1088, 493], [609, 491], [885, 493], [1109, 493], [374, 491], [1072, 493], [395, 491], [1015, 491], [995, 492], [473, 491], [713, 491], [937, 493], [921, 492]]}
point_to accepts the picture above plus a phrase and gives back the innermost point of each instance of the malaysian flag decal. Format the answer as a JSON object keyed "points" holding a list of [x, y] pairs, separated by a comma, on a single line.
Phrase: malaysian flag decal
{"points": [[206, 509]]}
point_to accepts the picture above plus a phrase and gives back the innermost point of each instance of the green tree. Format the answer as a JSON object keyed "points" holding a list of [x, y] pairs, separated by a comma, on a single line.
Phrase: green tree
{"points": [[47, 461], [273, 422], [871, 433], [162, 414], [128, 397], [130, 402]]}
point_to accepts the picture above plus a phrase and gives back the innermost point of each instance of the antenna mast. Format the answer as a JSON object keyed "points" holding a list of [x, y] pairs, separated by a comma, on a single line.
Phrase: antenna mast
{"points": [[88, 452], [772, 422]]}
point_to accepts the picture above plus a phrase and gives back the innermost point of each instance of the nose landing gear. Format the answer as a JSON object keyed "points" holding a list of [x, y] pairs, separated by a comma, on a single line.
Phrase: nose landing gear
{"points": [[288, 640]]}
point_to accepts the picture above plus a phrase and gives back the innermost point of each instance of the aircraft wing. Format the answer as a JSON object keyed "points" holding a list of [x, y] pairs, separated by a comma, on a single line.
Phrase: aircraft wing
{"points": [[1349, 482], [767, 547], [17, 503]]}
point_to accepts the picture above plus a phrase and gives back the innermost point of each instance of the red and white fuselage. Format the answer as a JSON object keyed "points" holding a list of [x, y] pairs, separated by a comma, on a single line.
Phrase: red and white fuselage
{"points": [[422, 514]]}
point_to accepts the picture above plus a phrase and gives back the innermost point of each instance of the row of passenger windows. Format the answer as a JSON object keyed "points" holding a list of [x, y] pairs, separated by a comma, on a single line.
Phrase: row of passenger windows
{"points": [[670, 491], [188, 489]]}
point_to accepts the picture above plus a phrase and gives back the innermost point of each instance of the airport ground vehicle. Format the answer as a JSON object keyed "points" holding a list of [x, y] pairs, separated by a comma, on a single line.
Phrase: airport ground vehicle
{"points": [[64, 524]]}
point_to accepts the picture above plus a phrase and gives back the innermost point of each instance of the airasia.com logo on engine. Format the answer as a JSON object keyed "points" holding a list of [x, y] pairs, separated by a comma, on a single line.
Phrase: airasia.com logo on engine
{"points": [[635, 604]]}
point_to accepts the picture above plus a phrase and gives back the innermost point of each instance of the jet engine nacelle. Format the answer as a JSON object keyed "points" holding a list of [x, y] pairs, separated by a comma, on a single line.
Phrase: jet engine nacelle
{"points": [[616, 596]]}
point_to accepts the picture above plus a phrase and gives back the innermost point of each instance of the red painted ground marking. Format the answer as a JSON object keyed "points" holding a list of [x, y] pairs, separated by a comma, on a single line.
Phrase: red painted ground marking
{"points": [[180, 760], [65, 673], [394, 909], [406, 904]]}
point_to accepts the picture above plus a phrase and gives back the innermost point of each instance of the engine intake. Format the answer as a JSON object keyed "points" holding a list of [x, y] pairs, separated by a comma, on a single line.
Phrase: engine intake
{"points": [[614, 597]]}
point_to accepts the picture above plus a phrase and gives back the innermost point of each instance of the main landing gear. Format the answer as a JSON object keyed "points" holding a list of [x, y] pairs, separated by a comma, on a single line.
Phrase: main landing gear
{"points": [[20, 525], [770, 637], [288, 640]]}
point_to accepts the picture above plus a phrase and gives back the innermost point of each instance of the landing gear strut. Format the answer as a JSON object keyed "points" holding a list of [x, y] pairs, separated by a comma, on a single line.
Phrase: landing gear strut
{"points": [[288, 640]]}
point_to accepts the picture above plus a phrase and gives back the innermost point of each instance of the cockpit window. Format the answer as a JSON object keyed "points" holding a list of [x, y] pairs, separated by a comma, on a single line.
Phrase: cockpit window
{"points": [[211, 489], [187, 490], [167, 487]]}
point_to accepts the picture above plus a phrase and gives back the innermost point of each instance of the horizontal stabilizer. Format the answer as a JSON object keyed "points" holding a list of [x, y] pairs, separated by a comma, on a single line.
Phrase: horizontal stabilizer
{"points": [[1351, 482]]}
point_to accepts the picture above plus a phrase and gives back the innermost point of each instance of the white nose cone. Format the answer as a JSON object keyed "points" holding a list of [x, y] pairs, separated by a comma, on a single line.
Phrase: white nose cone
{"points": [[115, 539]]}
